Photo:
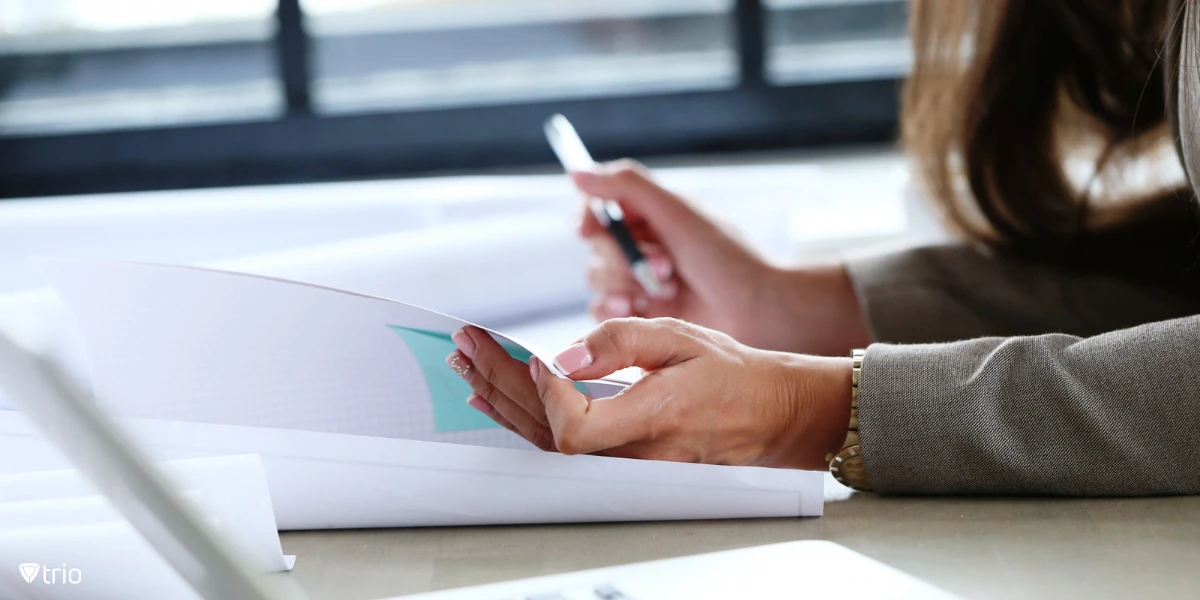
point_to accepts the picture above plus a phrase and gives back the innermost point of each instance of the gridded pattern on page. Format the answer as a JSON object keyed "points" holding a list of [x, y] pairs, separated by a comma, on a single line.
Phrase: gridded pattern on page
{"points": [[207, 346]]}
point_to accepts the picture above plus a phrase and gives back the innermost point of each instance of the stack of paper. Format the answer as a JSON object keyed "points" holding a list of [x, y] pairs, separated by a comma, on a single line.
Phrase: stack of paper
{"points": [[323, 481], [348, 400]]}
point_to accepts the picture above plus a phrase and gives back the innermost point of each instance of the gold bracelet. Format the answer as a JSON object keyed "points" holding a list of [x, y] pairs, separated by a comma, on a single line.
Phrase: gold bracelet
{"points": [[847, 464]]}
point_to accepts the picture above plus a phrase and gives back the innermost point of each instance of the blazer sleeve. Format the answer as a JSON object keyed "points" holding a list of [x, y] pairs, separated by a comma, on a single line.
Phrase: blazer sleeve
{"points": [[956, 292], [1115, 414]]}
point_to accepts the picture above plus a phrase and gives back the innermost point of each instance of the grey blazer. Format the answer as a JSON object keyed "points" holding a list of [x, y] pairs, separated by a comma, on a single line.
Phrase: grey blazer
{"points": [[1063, 382]]}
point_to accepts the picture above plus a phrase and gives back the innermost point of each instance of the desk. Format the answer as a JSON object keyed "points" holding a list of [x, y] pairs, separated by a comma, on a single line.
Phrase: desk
{"points": [[977, 548]]}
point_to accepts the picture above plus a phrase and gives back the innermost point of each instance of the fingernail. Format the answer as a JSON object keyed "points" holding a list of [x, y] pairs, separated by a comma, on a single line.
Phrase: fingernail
{"points": [[573, 359], [464, 342], [460, 367], [535, 368], [478, 403], [662, 267], [617, 306]]}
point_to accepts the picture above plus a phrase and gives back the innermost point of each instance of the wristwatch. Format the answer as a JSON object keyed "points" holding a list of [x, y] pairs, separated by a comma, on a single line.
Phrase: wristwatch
{"points": [[847, 464]]}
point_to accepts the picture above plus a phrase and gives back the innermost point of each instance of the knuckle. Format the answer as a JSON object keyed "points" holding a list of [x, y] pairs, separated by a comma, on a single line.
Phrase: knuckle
{"points": [[665, 323], [614, 332], [567, 441], [567, 446], [485, 367], [490, 394], [681, 330], [669, 326], [627, 170]]}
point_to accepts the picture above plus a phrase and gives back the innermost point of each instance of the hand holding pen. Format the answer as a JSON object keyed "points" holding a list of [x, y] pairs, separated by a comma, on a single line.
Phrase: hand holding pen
{"points": [[607, 212], [707, 275]]}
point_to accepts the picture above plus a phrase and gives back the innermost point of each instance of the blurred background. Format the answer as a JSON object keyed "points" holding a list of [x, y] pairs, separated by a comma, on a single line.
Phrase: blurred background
{"points": [[109, 95], [395, 147]]}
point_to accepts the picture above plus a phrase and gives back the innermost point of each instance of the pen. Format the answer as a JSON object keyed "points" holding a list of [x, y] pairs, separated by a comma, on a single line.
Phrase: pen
{"points": [[574, 156]]}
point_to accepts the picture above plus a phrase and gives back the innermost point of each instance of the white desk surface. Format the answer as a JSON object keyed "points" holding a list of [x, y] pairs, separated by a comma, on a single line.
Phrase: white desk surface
{"points": [[974, 547]]}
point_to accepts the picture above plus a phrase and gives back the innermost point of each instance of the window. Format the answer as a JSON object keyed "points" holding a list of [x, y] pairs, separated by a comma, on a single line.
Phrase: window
{"points": [[378, 55], [80, 65], [100, 95], [814, 41]]}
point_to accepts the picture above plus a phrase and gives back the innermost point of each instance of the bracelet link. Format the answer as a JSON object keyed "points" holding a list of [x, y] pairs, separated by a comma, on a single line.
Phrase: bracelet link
{"points": [[847, 465]]}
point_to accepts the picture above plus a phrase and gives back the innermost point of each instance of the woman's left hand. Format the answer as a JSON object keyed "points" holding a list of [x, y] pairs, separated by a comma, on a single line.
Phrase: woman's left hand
{"points": [[705, 398]]}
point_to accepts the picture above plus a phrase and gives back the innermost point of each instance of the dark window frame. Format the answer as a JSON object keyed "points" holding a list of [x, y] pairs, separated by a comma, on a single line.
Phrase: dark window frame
{"points": [[302, 146]]}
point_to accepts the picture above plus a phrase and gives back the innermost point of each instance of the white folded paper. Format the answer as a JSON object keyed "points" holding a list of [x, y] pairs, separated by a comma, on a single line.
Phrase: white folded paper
{"points": [[192, 344], [323, 481]]}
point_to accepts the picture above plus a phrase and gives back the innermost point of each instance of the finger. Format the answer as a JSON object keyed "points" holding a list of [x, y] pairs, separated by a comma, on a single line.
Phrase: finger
{"points": [[589, 225], [498, 368], [481, 405], [499, 406], [603, 277], [478, 403], [609, 272], [630, 184], [621, 343], [603, 308], [582, 425], [607, 279], [646, 307]]}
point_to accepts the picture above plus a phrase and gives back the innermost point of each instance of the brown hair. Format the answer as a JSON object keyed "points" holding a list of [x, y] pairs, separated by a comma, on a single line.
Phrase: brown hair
{"points": [[1187, 127], [1004, 91]]}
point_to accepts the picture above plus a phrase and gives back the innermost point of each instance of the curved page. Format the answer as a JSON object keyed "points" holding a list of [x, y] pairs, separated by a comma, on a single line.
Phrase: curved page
{"points": [[191, 344]]}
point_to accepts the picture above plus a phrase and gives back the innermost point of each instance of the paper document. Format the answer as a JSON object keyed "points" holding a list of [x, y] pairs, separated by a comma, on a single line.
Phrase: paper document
{"points": [[333, 481], [357, 418], [212, 346]]}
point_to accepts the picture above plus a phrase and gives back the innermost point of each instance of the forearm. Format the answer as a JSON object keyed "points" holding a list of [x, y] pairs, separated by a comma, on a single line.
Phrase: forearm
{"points": [[948, 293], [1115, 414]]}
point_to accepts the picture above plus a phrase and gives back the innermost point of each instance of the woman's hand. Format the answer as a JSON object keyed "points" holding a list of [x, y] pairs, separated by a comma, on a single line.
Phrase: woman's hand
{"points": [[705, 398], [711, 278]]}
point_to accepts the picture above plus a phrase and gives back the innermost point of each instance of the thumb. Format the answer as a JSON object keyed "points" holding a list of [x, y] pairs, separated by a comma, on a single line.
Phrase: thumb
{"points": [[621, 343], [673, 218], [582, 425]]}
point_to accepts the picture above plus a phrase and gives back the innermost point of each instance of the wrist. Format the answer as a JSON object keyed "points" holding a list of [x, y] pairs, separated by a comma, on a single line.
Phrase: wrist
{"points": [[811, 309], [819, 390]]}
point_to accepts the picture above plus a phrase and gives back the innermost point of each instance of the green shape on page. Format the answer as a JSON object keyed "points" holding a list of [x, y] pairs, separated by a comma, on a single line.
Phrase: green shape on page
{"points": [[447, 391]]}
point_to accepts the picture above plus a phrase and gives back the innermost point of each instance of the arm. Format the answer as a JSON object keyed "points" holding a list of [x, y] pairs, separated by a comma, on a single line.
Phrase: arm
{"points": [[947, 293], [1115, 414]]}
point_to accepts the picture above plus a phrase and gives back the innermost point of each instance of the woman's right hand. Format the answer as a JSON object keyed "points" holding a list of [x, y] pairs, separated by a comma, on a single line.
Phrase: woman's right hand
{"points": [[711, 278]]}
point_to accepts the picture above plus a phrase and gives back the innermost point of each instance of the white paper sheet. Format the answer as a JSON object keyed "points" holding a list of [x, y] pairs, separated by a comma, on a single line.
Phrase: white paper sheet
{"points": [[231, 492], [322, 480], [807, 569], [210, 346], [111, 560]]}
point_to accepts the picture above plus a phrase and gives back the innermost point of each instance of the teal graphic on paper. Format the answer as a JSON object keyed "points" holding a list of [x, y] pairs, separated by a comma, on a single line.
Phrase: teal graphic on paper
{"points": [[447, 391]]}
